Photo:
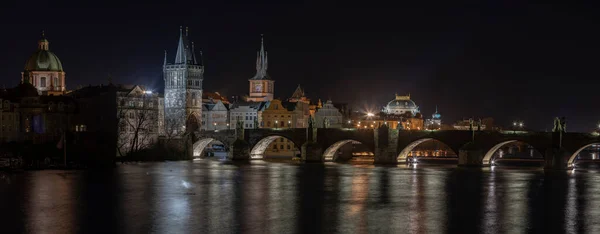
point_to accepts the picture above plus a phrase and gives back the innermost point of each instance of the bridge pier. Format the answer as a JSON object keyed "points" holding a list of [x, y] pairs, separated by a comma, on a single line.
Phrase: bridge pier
{"points": [[556, 159], [386, 144], [312, 152], [239, 150], [470, 156]]}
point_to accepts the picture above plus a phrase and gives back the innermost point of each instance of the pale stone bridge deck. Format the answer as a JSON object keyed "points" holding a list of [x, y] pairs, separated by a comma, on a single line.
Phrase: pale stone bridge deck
{"points": [[393, 146]]}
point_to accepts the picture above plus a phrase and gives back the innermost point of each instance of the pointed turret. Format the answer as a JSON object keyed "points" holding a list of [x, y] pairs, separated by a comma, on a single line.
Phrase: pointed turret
{"points": [[165, 61], [299, 93], [262, 62], [185, 52]]}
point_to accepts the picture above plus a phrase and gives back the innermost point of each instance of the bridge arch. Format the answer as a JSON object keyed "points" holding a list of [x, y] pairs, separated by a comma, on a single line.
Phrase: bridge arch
{"points": [[329, 155], [489, 154], [259, 149], [200, 146], [403, 155], [573, 157]]}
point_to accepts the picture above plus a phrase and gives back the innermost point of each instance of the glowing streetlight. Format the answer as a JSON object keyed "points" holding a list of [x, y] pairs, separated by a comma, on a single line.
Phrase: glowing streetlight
{"points": [[370, 114]]}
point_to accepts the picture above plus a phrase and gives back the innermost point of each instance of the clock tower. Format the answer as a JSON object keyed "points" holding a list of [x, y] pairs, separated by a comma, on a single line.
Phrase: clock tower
{"points": [[261, 85]]}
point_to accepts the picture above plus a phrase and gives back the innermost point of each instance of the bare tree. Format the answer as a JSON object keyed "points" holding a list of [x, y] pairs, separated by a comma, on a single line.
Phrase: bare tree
{"points": [[137, 123]]}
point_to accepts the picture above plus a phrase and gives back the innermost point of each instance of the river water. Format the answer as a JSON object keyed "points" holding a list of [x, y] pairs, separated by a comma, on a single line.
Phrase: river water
{"points": [[210, 196]]}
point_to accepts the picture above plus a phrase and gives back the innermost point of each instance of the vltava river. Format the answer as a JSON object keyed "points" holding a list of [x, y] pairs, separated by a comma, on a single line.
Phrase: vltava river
{"points": [[272, 197]]}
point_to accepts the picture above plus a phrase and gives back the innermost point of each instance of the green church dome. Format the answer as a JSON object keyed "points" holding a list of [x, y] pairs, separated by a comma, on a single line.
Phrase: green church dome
{"points": [[43, 59]]}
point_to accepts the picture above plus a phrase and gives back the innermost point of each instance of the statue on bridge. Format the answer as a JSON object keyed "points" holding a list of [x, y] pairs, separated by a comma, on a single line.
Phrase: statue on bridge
{"points": [[326, 122], [239, 128], [560, 125]]}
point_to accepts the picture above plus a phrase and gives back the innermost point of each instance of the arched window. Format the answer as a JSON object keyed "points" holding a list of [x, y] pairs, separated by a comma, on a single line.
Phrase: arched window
{"points": [[43, 82]]}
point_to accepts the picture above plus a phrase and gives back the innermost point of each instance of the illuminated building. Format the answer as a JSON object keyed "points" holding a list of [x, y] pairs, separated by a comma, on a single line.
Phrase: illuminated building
{"points": [[435, 123], [44, 70], [329, 112], [401, 105], [280, 115], [249, 113], [261, 84], [400, 113], [183, 87], [215, 116]]}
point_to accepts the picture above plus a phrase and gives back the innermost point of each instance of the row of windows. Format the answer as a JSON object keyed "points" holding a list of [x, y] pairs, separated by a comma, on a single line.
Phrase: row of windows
{"points": [[43, 82], [246, 118], [80, 128], [282, 147], [138, 104], [238, 114], [275, 116], [194, 82]]}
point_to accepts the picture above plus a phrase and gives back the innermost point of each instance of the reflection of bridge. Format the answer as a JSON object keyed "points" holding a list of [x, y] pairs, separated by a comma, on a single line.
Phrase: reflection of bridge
{"points": [[394, 146]]}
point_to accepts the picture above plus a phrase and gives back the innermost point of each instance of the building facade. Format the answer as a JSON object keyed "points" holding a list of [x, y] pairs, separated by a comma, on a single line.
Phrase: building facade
{"points": [[261, 85], [183, 87], [215, 116], [44, 70], [128, 115], [328, 116], [401, 105], [435, 123], [249, 113]]}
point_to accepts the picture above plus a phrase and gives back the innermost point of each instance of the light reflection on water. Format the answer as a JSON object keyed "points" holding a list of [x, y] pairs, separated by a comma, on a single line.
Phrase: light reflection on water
{"points": [[273, 197]]}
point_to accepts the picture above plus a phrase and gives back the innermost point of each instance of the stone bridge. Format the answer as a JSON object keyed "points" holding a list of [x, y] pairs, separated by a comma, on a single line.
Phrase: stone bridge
{"points": [[394, 146]]}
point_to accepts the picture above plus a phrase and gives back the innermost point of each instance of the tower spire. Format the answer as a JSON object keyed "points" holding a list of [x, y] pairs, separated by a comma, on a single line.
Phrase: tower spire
{"points": [[181, 56], [194, 54], [165, 61], [261, 62]]}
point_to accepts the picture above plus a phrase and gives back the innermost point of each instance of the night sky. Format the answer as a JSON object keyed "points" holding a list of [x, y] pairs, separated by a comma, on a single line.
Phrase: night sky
{"points": [[505, 59]]}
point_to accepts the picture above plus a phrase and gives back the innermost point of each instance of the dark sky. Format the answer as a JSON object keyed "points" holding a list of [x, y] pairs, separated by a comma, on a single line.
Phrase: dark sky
{"points": [[504, 59]]}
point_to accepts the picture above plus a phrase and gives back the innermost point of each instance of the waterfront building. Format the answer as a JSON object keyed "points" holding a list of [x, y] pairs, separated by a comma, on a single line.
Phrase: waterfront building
{"points": [[215, 116], [183, 87], [328, 114], [44, 70], [280, 115], [28, 116], [248, 112], [261, 85], [136, 108]]}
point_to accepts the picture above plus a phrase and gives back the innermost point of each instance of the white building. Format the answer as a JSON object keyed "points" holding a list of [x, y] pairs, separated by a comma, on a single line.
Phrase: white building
{"points": [[248, 112], [215, 116], [138, 119], [330, 114], [401, 105]]}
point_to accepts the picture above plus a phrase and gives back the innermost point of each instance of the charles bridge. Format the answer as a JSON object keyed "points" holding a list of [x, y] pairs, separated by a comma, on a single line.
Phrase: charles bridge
{"points": [[392, 146]]}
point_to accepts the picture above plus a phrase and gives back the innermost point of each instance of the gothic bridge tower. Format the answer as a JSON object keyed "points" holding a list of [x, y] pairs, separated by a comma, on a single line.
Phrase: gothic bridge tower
{"points": [[183, 87]]}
